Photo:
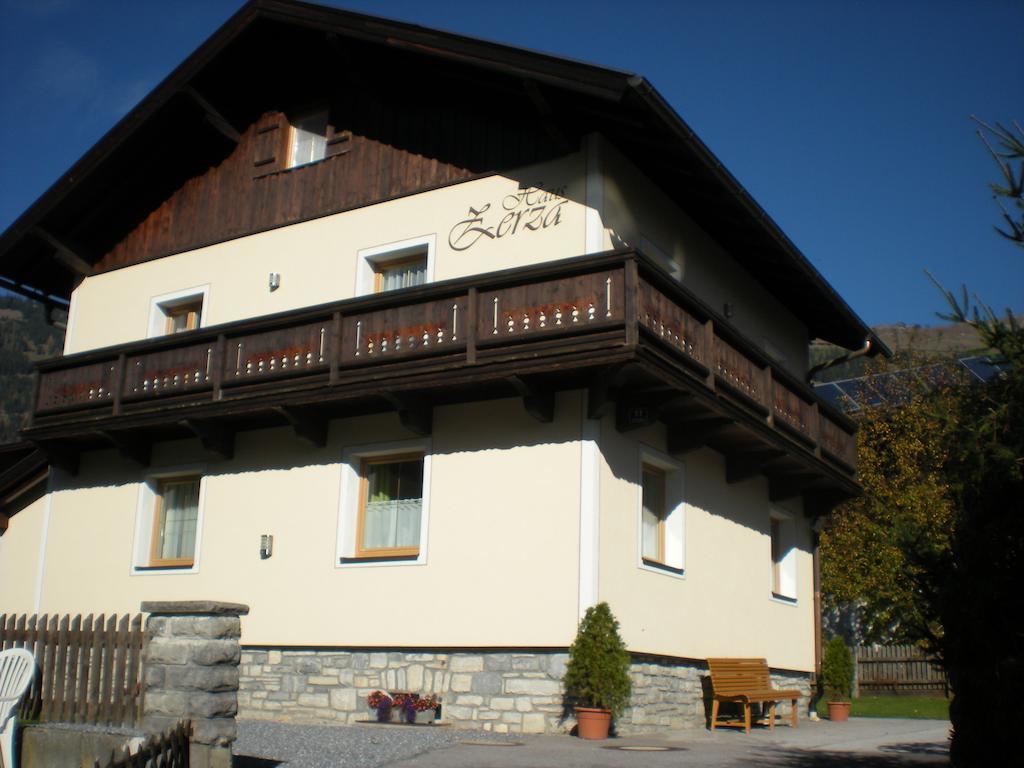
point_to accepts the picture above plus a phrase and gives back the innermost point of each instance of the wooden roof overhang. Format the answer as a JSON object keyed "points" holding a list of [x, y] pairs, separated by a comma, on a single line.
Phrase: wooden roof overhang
{"points": [[23, 471], [251, 64], [615, 325]]}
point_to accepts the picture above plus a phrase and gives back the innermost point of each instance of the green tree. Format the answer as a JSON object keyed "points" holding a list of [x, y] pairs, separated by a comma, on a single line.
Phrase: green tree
{"points": [[597, 674], [901, 452]]}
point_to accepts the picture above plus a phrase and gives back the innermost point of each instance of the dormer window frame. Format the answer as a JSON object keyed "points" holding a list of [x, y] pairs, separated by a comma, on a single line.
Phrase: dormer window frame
{"points": [[318, 113]]}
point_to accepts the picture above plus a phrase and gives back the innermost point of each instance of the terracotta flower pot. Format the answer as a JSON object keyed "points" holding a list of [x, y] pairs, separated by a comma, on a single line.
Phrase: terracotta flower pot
{"points": [[839, 711], [593, 723]]}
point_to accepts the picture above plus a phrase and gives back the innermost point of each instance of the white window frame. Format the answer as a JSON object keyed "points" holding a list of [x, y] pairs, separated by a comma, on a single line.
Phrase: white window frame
{"points": [[675, 518], [346, 553], [158, 306], [145, 519], [787, 564], [369, 260]]}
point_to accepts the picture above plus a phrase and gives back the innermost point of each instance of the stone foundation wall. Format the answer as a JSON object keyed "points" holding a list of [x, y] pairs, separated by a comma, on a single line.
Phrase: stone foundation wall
{"points": [[502, 692]]}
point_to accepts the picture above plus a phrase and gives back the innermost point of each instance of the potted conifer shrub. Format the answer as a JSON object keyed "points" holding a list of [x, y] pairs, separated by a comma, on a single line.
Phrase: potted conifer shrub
{"points": [[837, 676], [596, 677]]}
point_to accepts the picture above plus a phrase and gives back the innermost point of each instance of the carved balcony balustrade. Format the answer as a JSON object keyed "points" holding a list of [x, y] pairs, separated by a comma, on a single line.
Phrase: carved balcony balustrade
{"points": [[613, 324]]}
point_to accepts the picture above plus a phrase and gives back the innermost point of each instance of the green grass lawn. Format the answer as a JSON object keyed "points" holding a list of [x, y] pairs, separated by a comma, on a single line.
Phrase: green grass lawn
{"points": [[924, 707]]}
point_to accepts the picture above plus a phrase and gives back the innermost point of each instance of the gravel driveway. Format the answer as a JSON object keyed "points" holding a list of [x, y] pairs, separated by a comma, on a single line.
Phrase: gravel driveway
{"points": [[264, 744]]}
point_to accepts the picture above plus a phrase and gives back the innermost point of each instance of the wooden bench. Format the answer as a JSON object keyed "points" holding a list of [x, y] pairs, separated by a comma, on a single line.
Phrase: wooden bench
{"points": [[747, 682]]}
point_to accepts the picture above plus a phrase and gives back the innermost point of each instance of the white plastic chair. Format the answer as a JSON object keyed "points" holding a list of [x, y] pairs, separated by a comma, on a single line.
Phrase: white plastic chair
{"points": [[17, 666]]}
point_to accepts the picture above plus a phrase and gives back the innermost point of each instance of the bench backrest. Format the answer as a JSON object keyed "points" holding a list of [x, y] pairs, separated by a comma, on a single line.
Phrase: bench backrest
{"points": [[735, 676]]}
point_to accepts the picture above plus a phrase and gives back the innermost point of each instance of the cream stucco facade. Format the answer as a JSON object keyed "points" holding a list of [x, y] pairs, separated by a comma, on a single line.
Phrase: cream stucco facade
{"points": [[526, 524]]}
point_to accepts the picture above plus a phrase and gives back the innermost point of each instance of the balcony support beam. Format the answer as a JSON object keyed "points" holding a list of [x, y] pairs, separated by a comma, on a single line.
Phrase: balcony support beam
{"points": [[308, 423], [690, 436], [604, 389], [782, 487], [62, 456], [539, 401], [414, 413], [214, 436]]}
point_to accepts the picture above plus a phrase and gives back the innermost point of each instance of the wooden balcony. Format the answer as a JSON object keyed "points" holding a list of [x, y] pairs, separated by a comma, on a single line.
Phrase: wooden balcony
{"points": [[614, 324]]}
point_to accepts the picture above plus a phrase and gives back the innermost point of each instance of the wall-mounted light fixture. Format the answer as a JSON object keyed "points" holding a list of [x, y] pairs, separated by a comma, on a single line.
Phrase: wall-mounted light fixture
{"points": [[266, 546], [275, 281]]}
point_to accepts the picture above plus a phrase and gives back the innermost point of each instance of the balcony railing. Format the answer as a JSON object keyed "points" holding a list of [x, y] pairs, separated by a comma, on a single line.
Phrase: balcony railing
{"points": [[618, 300]]}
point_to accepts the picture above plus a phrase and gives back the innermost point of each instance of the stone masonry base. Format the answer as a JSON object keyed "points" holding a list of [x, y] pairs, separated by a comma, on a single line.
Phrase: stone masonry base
{"points": [[504, 692]]}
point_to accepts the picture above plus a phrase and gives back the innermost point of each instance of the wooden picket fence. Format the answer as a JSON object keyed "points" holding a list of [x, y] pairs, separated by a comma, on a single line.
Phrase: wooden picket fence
{"points": [[88, 670], [165, 750], [898, 669]]}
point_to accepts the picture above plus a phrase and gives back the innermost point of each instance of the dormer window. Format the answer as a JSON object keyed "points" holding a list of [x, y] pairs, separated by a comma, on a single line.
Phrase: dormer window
{"points": [[308, 140]]}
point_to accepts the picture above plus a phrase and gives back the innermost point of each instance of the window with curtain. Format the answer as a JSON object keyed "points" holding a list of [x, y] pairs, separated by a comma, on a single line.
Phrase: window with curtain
{"points": [[175, 519], [401, 273], [391, 505], [653, 518], [308, 138]]}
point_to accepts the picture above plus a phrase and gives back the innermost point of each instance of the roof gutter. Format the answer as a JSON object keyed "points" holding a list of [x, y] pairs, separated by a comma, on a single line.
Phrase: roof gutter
{"points": [[865, 350]]}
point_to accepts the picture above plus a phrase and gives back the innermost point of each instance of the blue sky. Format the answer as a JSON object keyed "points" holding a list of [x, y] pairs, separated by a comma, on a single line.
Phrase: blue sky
{"points": [[849, 122]]}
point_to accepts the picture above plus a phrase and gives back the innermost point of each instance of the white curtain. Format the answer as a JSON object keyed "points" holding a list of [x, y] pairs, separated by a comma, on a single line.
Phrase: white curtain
{"points": [[403, 275]]}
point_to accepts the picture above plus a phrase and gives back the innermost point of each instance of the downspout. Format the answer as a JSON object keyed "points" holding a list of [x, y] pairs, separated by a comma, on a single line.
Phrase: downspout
{"points": [[841, 359]]}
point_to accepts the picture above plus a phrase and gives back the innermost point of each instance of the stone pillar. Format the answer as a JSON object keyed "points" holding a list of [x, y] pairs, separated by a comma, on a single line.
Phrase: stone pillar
{"points": [[190, 671]]}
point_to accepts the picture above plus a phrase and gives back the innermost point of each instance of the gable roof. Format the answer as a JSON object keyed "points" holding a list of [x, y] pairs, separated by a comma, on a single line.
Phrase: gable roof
{"points": [[247, 66]]}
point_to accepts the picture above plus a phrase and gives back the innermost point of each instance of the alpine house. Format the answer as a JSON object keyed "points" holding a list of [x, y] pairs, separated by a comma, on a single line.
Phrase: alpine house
{"points": [[420, 345]]}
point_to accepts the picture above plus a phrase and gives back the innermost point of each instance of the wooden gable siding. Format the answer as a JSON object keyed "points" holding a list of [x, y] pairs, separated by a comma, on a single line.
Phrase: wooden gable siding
{"points": [[386, 153]]}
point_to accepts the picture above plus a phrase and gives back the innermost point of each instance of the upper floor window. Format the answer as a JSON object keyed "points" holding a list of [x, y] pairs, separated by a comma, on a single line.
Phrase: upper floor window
{"points": [[308, 138], [400, 272], [178, 312], [402, 264], [183, 317]]}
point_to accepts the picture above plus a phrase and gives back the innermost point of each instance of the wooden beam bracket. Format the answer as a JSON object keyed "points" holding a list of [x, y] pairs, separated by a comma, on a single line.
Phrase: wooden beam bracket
{"points": [[414, 413], [64, 253], [538, 401], [214, 436], [743, 466], [308, 423], [214, 117], [134, 448]]}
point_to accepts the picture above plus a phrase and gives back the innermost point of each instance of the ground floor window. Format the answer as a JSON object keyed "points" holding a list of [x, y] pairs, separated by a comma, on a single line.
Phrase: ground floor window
{"points": [[175, 522], [662, 510], [391, 504], [384, 503], [782, 537]]}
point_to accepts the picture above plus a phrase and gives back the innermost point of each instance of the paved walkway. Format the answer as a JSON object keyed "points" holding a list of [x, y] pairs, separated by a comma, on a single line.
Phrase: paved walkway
{"points": [[859, 743]]}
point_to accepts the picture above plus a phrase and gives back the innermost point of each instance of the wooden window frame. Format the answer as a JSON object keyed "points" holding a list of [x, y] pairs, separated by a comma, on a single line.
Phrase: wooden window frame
{"points": [[159, 492], [647, 468], [780, 527], [289, 135], [362, 552], [193, 310], [379, 267]]}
